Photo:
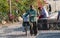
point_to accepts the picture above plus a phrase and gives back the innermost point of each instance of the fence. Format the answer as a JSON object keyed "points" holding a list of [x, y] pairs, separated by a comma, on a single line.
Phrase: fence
{"points": [[49, 24]]}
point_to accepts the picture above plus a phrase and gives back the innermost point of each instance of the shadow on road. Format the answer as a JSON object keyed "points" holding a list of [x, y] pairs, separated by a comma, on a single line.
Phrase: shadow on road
{"points": [[21, 35], [18, 29], [9, 30], [48, 35]]}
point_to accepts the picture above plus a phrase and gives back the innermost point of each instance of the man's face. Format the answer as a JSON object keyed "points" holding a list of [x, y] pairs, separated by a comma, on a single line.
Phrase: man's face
{"points": [[39, 8], [31, 7]]}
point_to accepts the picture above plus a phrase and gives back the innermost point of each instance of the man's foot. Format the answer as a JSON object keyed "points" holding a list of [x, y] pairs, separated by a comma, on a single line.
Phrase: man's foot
{"points": [[31, 34], [26, 34]]}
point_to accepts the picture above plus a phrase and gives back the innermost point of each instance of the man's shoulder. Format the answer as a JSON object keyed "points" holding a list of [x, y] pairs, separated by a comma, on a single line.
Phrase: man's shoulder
{"points": [[34, 9]]}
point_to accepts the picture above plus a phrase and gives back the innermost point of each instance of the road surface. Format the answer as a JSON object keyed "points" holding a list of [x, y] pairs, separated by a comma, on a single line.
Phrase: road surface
{"points": [[16, 31]]}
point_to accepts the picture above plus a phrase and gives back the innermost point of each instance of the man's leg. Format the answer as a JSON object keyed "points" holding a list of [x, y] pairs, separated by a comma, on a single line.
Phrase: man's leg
{"points": [[45, 27], [31, 28], [26, 28], [23, 24], [35, 28]]}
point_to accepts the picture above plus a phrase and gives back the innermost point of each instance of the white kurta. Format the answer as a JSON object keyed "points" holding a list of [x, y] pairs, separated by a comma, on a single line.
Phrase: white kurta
{"points": [[44, 12]]}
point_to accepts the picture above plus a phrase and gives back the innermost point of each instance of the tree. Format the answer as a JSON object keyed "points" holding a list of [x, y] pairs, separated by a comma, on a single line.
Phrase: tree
{"points": [[3, 9], [20, 5]]}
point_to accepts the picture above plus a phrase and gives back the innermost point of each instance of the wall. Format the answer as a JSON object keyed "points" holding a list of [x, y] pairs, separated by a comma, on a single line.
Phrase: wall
{"points": [[55, 5]]}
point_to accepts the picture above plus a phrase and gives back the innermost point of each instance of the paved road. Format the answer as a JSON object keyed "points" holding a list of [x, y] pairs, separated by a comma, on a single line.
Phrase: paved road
{"points": [[49, 35], [17, 32], [13, 31]]}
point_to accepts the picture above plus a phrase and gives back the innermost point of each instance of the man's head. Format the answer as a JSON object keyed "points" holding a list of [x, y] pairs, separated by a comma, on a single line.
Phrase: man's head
{"points": [[31, 7], [39, 8]]}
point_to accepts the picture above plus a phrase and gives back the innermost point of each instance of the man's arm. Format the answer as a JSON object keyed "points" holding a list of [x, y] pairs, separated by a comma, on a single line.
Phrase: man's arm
{"points": [[58, 17], [27, 13]]}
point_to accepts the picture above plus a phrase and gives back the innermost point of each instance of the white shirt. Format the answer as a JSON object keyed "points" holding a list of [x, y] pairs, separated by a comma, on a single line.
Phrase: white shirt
{"points": [[25, 19], [44, 12]]}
